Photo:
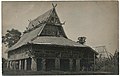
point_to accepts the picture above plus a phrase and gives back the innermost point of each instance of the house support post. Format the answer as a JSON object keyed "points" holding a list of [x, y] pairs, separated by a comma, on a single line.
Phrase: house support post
{"points": [[25, 64], [10, 64], [71, 64], [94, 61], [77, 64], [19, 64], [34, 64], [14, 65], [43, 64], [57, 63]]}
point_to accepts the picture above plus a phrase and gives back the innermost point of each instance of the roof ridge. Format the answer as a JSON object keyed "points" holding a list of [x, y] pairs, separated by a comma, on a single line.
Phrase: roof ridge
{"points": [[44, 13], [40, 19]]}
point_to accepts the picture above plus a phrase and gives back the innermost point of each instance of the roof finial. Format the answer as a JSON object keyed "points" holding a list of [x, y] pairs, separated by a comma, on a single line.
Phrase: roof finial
{"points": [[54, 5], [29, 20]]}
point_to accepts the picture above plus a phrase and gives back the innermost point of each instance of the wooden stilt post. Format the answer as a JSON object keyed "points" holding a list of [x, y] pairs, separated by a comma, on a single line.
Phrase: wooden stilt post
{"points": [[77, 64], [33, 64], [71, 64], [11, 65], [94, 61], [57, 64], [25, 64], [8, 64], [19, 64], [43, 64]]}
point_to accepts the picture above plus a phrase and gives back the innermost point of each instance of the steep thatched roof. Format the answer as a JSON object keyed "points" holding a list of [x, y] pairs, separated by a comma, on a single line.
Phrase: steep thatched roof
{"points": [[34, 30], [27, 37], [41, 18], [56, 41]]}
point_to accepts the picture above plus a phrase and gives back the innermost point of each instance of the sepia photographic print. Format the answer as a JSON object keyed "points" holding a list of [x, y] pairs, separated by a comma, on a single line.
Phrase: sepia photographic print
{"points": [[60, 38]]}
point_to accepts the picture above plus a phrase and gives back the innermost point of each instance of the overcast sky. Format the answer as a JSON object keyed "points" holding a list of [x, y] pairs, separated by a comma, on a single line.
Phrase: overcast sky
{"points": [[98, 21]]}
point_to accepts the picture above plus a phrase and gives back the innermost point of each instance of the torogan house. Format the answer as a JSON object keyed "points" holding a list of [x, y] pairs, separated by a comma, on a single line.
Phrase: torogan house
{"points": [[44, 46]]}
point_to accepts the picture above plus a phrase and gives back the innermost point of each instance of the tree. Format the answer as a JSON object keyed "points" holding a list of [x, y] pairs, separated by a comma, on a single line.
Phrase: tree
{"points": [[11, 37]]}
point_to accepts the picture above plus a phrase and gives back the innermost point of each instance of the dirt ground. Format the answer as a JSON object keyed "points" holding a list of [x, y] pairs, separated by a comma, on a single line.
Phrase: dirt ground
{"points": [[17, 72]]}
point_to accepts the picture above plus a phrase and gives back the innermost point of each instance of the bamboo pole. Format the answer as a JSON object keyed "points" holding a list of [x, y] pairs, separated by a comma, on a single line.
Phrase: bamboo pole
{"points": [[94, 61]]}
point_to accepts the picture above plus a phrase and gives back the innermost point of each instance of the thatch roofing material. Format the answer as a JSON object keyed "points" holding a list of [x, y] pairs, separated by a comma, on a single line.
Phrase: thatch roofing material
{"points": [[40, 19], [34, 38], [27, 37], [56, 41]]}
